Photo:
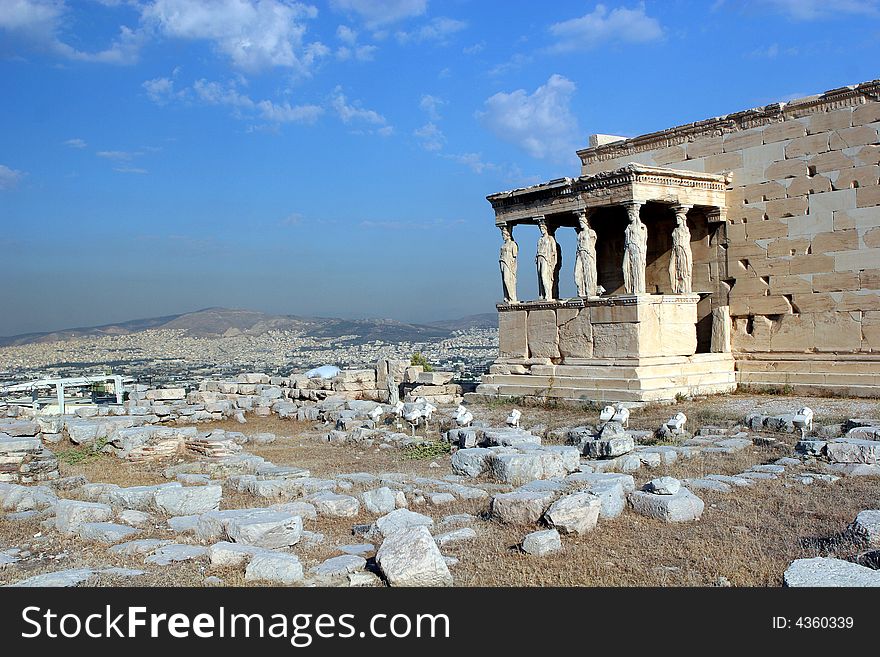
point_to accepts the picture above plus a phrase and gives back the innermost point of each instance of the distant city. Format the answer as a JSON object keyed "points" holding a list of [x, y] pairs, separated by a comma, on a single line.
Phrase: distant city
{"points": [[185, 356]]}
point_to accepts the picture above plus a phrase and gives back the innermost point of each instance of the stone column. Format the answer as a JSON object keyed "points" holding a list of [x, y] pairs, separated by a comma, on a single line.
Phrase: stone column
{"points": [[635, 250], [681, 261], [546, 260], [507, 261], [720, 330], [585, 277]]}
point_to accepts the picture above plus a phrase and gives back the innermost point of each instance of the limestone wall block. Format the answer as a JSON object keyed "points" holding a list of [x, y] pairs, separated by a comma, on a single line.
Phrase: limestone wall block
{"points": [[789, 247], [791, 284], [830, 161], [543, 334], [725, 162], [793, 333], [858, 136], [785, 130], [869, 154], [803, 185], [734, 141], [838, 240], [862, 176], [837, 332], [867, 113], [869, 279], [810, 225], [855, 260], [809, 145], [793, 168], [811, 264], [871, 330], [760, 230], [787, 207], [513, 339], [836, 281], [704, 146], [832, 120], [867, 196], [765, 191]]}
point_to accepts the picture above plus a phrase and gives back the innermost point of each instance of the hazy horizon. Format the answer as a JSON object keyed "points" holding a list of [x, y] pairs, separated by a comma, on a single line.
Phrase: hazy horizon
{"points": [[333, 158], [351, 317]]}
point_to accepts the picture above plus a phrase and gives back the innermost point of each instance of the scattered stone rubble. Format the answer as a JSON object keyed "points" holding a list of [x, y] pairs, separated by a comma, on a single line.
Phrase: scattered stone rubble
{"points": [[551, 491]]}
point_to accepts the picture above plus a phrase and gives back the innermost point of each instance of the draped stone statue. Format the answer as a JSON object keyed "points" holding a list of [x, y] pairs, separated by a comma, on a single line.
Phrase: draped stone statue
{"points": [[546, 260], [635, 251], [585, 278], [507, 260], [681, 263]]}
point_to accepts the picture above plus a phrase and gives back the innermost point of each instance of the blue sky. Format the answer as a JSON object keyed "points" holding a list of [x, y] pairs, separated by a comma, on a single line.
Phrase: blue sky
{"points": [[333, 157]]}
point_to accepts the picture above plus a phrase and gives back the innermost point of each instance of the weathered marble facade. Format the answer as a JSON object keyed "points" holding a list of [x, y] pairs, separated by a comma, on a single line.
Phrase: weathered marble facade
{"points": [[782, 204]]}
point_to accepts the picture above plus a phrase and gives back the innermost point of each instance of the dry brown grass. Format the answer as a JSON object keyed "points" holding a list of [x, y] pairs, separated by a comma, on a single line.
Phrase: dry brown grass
{"points": [[748, 536]]}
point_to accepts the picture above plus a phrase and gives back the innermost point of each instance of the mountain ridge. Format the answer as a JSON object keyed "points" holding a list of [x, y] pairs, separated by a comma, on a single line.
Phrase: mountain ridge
{"points": [[228, 322]]}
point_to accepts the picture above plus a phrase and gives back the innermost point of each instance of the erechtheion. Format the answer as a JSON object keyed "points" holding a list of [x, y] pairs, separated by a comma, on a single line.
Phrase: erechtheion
{"points": [[743, 249]]}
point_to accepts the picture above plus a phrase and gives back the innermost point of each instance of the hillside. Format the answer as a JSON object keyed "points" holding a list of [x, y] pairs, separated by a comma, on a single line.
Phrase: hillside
{"points": [[225, 322]]}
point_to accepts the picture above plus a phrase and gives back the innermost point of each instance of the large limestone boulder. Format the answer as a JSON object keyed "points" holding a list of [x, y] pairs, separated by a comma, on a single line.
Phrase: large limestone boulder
{"points": [[471, 462], [683, 506], [577, 513], [266, 529], [276, 567], [192, 500], [866, 528], [70, 515], [826, 572], [401, 519], [542, 543], [410, 557], [521, 507], [379, 500]]}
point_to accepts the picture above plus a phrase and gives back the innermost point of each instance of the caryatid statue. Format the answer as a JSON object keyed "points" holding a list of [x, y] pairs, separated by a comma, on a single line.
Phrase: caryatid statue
{"points": [[507, 260], [585, 278], [635, 251], [546, 260], [681, 264]]}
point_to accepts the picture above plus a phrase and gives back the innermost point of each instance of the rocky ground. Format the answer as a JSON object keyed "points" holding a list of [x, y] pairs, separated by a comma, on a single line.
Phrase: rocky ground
{"points": [[727, 503]]}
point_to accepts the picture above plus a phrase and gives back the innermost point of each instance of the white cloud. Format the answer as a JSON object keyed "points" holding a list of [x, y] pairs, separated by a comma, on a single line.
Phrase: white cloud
{"points": [[474, 49], [9, 178], [541, 123], [347, 35], [254, 34], [351, 48], [76, 143], [516, 62], [381, 12], [41, 21], [620, 25], [353, 113], [215, 93], [431, 137], [815, 9], [287, 113], [119, 156], [161, 91], [431, 105], [135, 170], [474, 161], [438, 29]]}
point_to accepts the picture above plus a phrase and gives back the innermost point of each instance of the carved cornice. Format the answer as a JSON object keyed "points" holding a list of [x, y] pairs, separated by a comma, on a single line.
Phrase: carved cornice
{"points": [[589, 302], [628, 176], [751, 118]]}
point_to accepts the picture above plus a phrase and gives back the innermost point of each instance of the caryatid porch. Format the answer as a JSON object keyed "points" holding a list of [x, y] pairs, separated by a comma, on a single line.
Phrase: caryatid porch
{"points": [[650, 320]]}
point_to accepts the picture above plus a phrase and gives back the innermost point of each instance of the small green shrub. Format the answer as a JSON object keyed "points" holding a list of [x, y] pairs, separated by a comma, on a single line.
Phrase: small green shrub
{"points": [[426, 450], [420, 359]]}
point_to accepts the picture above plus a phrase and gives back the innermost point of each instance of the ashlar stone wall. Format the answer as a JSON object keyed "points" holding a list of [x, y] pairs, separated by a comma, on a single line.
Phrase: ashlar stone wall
{"points": [[802, 236]]}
